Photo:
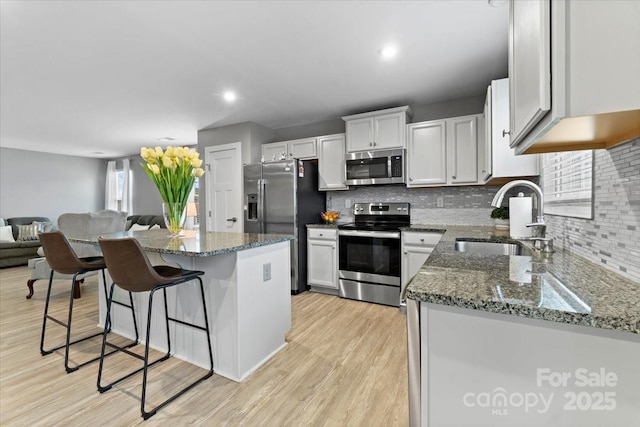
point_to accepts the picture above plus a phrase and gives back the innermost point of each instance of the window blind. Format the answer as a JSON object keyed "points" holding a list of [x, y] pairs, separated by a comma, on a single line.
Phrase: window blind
{"points": [[567, 183]]}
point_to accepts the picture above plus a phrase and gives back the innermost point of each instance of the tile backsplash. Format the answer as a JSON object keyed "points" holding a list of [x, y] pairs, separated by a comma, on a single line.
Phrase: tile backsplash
{"points": [[612, 237], [460, 205]]}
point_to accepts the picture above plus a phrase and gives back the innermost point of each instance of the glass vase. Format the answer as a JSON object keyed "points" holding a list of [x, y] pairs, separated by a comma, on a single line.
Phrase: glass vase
{"points": [[174, 216]]}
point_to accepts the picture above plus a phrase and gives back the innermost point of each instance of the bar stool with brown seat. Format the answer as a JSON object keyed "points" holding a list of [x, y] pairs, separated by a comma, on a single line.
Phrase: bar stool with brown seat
{"points": [[130, 269], [63, 260]]}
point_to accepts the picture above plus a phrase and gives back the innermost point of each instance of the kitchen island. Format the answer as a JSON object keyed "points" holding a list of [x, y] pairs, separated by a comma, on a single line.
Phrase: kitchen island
{"points": [[247, 284], [529, 339]]}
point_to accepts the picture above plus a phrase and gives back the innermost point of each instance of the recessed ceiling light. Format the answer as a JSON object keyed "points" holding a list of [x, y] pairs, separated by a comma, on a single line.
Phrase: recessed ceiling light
{"points": [[229, 96], [96, 152], [166, 139], [389, 51]]}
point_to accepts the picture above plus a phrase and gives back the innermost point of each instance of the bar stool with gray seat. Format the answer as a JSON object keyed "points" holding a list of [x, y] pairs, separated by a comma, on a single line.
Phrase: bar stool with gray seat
{"points": [[130, 269], [63, 260]]}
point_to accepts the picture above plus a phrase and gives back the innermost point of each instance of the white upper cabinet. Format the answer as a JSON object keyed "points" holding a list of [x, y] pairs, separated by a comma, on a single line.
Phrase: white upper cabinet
{"points": [[377, 130], [497, 158], [331, 162], [573, 70], [530, 72], [444, 152], [427, 153], [285, 150], [462, 149], [275, 151]]}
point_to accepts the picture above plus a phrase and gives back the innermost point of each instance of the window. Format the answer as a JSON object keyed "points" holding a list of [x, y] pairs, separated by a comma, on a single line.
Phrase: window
{"points": [[118, 187], [567, 183], [120, 175]]}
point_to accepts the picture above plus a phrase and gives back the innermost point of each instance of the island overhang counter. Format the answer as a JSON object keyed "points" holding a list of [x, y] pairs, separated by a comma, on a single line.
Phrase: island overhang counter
{"points": [[247, 284]]}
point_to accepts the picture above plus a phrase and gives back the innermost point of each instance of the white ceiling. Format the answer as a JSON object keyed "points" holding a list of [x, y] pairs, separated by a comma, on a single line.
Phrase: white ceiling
{"points": [[79, 77]]}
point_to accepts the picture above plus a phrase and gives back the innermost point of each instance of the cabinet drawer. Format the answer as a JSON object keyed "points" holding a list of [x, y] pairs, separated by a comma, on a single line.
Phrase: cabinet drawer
{"points": [[421, 239], [322, 233]]}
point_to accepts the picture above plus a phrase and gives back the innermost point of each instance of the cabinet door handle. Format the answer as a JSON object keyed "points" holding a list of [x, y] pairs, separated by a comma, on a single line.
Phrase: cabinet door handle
{"points": [[453, 176], [422, 240], [234, 219], [505, 133], [410, 179]]}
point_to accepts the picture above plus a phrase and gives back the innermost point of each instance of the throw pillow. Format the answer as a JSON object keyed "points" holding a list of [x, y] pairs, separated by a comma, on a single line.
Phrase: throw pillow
{"points": [[154, 227], [44, 227], [6, 235], [138, 227], [2, 222], [28, 232]]}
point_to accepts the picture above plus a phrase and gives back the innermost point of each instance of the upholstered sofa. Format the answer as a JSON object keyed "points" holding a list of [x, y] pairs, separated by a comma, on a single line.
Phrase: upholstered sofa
{"points": [[78, 224], [19, 251], [145, 221]]}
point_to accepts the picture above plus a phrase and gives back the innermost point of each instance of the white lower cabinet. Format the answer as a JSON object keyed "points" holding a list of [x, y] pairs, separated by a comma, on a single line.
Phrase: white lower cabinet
{"points": [[322, 260], [416, 248]]}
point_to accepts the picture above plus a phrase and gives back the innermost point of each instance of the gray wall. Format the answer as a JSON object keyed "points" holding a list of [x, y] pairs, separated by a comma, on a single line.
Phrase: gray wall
{"points": [[43, 184], [446, 109], [612, 237], [421, 113], [327, 127], [146, 198], [250, 135]]}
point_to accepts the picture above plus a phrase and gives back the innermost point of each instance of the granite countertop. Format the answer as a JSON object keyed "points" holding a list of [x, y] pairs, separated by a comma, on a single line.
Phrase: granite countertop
{"points": [[322, 225], [192, 243], [559, 287]]}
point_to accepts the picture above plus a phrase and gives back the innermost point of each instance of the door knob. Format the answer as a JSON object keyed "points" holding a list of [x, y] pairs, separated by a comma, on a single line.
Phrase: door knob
{"points": [[234, 219]]}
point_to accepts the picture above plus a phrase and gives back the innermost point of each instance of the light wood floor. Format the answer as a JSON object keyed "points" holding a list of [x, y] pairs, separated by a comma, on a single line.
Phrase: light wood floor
{"points": [[344, 365]]}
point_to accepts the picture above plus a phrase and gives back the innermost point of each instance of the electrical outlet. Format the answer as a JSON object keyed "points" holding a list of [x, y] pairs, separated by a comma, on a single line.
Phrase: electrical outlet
{"points": [[440, 202], [347, 203], [266, 272]]}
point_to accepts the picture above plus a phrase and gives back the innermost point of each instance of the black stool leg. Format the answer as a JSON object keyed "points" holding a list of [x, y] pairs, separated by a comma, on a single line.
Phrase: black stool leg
{"points": [[146, 415], [206, 326], [107, 327], [46, 315], [106, 294], [66, 350]]}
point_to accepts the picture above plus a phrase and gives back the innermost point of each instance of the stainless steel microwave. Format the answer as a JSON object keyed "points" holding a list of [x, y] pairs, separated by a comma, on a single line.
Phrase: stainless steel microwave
{"points": [[375, 167]]}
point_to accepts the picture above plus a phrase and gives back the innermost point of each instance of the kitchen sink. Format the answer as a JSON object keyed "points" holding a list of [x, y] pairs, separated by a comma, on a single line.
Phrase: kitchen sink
{"points": [[488, 247]]}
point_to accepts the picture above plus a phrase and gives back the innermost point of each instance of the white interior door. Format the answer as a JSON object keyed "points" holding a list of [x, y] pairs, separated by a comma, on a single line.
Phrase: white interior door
{"points": [[224, 187]]}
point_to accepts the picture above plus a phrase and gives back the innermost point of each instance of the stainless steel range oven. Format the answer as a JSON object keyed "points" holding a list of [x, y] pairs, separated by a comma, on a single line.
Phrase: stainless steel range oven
{"points": [[369, 252]]}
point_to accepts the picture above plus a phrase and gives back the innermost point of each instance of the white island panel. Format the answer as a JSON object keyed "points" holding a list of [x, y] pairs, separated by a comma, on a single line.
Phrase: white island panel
{"points": [[248, 316]]}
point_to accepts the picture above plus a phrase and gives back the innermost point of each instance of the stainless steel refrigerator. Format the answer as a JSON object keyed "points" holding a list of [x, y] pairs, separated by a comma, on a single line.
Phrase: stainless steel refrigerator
{"points": [[282, 197]]}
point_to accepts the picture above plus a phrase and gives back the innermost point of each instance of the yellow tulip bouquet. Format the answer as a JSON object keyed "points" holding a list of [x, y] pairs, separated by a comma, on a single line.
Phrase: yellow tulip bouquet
{"points": [[173, 171]]}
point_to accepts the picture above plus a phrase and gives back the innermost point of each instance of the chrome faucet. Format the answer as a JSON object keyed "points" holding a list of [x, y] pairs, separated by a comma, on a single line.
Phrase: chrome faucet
{"points": [[539, 226]]}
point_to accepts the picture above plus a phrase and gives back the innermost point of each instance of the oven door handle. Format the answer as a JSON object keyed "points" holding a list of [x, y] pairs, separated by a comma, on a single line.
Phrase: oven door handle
{"points": [[372, 234]]}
